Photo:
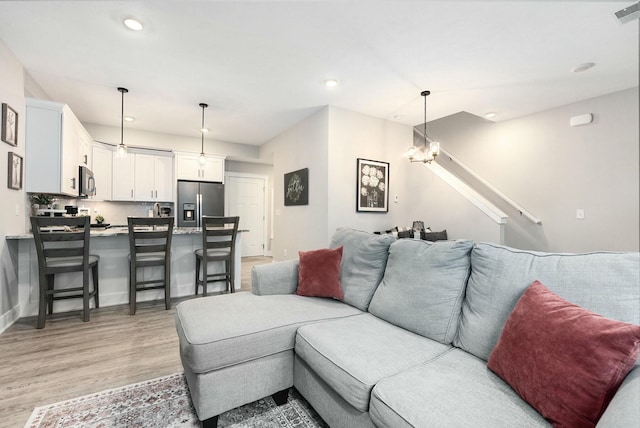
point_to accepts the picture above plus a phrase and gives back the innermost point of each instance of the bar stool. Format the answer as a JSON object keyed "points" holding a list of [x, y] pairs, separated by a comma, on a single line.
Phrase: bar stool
{"points": [[62, 244], [218, 244], [149, 245]]}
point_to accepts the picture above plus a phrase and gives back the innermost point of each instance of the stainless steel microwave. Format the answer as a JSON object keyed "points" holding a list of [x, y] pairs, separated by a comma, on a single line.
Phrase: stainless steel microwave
{"points": [[87, 182]]}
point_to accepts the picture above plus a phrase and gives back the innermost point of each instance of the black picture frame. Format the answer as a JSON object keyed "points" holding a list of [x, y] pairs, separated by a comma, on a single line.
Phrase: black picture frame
{"points": [[14, 171], [9, 125], [296, 187], [372, 186]]}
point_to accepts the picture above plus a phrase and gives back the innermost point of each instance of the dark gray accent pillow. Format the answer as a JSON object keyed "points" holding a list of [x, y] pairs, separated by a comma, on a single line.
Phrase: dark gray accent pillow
{"points": [[364, 258], [434, 236]]}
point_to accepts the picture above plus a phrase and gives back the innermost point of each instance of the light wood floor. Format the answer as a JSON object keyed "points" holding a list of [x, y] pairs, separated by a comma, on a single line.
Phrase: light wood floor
{"points": [[70, 358]]}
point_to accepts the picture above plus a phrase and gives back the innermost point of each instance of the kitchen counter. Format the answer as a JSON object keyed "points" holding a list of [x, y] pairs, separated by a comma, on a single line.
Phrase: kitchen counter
{"points": [[112, 245], [121, 230]]}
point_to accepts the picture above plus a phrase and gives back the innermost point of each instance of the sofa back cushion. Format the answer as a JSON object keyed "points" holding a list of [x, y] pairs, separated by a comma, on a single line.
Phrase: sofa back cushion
{"points": [[364, 258], [423, 287], [602, 282]]}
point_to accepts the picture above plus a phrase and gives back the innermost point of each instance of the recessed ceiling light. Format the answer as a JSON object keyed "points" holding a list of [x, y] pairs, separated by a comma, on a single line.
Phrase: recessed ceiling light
{"points": [[133, 24], [583, 67], [490, 115], [129, 119], [330, 83]]}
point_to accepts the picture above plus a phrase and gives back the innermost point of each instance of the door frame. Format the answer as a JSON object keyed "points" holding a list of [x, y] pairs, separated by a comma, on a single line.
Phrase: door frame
{"points": [[267, 215]]}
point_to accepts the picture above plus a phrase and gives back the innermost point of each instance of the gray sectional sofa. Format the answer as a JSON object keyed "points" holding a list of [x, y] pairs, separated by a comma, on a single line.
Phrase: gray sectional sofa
{"points": [[408, 345]]}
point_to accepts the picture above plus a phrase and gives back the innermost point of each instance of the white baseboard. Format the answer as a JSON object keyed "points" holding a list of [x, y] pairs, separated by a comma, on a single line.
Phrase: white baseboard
{"points": [[10, 317]]}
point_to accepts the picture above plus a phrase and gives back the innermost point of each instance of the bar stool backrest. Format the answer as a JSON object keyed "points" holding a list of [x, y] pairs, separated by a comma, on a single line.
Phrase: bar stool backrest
{"points": [[149, 235], [57, 237], [219, 233]]}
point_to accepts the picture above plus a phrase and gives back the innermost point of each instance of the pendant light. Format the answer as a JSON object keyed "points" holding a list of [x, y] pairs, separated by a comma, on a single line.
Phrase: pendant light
{"points": [[428, 152], [202, 158], [122, 149]]}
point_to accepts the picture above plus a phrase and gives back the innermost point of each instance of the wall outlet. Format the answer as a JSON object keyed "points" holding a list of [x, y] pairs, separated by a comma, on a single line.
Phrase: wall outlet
{"points": [[285, 252]]}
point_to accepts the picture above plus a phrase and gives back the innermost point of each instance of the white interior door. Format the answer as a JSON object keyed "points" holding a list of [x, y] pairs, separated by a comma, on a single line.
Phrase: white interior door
{"points": [[245, 198]]}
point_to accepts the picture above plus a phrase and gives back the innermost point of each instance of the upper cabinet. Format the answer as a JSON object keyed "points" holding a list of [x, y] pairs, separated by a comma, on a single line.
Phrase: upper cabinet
{"points": [[188, 167], [153, 178], [55, 148], [102, 164], [144, 176]]}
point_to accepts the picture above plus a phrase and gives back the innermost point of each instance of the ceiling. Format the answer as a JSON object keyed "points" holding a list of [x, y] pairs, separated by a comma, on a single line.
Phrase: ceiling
{"points": [[260, 65]]}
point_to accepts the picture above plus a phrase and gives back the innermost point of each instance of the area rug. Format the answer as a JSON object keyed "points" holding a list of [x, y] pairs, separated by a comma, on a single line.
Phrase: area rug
{"points": [[165, 402]]}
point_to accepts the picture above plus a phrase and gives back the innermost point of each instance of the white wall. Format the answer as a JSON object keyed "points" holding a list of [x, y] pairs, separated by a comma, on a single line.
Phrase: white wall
{"points": [[135, 137], [303, 227], [12, 216], [355, 135], [552, 169]]}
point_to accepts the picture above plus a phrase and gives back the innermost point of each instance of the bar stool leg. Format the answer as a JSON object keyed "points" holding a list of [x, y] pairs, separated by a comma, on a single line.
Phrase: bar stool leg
{"points": [[232, 284], [49, 294], [167, 284], [85, 294], [42, 309], [132, 289], [94, 274], [205, 280], [197, 273]]}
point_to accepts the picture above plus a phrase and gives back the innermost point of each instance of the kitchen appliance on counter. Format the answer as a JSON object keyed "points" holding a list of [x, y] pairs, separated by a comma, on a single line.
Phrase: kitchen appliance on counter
{"points": [[87, 182], [165, 211], [198, 198]]}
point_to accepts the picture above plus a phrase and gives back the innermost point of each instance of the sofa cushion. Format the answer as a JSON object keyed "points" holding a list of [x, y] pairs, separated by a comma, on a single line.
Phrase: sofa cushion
{"points": [[542, 353], [604, 283], [221, 331], [454, 390], [319, 273], [423, 287], [353, 354], [363, 260]]}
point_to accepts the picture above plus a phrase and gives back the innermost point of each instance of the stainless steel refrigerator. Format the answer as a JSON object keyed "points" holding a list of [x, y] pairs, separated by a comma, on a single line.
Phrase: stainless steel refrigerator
{"points": [[198, 198]]}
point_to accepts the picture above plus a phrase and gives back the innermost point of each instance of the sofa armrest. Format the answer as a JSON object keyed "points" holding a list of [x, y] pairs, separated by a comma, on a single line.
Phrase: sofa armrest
{"points": [[624, 408], [275, 278]]}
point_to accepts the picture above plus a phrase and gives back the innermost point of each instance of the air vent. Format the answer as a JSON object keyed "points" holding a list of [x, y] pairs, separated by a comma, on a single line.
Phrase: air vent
{"points": [[628, 13]]}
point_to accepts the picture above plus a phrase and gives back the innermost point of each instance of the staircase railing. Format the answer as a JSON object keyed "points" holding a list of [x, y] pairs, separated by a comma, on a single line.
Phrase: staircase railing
{"points": [[505, 198]]}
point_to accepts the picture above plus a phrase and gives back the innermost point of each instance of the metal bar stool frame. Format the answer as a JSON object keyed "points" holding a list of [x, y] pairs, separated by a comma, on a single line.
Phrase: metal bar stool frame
{"points": [[218, 244], [61, 251], [148, 247]]}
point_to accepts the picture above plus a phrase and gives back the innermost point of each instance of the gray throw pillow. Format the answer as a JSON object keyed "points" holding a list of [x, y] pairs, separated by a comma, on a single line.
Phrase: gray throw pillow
{"points": [[423, 287], [364, 258]]}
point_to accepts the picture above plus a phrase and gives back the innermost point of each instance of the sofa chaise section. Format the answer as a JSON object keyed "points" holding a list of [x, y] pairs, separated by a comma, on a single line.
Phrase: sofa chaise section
{"points": [[238, 348]]}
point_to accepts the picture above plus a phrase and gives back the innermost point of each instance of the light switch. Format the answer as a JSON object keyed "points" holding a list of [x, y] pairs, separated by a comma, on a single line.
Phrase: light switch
{"points": [[580, 214]]}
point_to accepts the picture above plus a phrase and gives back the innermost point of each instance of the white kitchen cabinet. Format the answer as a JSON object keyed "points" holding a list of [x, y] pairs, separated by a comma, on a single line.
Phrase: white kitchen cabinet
{"points": [[123, 177], [188, 167], [53, 135], [102, 167], [153, 178], [85, 147]]}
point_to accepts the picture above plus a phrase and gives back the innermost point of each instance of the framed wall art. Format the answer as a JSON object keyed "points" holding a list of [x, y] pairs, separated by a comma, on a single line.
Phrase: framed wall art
{"points": [[14, 176], [296, 187], [9, 125], [372, 186]]}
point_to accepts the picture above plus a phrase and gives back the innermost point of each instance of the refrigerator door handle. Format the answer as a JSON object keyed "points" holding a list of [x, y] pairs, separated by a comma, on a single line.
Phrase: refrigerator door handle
{"points": [[198, 210]]}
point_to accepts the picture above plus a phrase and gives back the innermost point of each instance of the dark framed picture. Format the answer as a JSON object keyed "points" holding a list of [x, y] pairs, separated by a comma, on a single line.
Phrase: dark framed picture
{"points": [[14, 176], [373, 186], [296, 187], [9, 125]]}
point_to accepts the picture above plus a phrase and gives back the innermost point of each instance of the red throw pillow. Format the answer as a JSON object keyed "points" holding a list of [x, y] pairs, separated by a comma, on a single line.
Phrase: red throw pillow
{"points": [[564, 360], [319, 273]]}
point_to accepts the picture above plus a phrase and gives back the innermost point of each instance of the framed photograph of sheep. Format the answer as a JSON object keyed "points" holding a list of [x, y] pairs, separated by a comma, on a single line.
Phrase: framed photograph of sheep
{"points": [[9, 125], [372, 186]]}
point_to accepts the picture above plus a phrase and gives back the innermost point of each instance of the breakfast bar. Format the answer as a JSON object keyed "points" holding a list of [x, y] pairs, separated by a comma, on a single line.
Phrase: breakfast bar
{"points": [[112, 245]]}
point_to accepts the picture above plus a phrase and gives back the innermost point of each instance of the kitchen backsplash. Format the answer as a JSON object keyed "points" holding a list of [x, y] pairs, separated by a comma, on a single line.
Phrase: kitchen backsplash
{"points": [[113, 212]]}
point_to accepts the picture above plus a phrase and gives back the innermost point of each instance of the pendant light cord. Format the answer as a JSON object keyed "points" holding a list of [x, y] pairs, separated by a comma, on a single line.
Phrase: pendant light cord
{"points": [[203, 105], [425, 94]]}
